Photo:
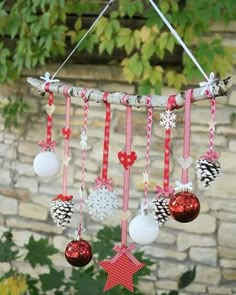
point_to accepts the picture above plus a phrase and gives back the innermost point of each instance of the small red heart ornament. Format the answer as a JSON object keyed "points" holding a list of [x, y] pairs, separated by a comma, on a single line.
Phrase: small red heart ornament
{"points": [[127, 160], [66, 132]]}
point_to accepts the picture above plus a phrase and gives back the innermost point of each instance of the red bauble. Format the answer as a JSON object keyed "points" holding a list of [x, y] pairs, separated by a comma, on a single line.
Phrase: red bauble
{"points": [[78, 253], [184, 206]]}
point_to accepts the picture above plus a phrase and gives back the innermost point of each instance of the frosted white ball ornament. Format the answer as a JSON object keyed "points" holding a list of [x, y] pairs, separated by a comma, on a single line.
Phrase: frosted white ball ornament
{"points": [[143, 229], [46, 164]]}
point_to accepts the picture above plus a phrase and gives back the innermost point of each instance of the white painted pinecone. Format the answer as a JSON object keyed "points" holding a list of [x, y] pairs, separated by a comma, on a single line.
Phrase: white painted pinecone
{"points": [[62, 212], [161, 209], [207, 171]]}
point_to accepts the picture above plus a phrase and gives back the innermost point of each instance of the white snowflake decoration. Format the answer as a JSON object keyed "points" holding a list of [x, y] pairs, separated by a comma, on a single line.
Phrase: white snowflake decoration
{"points": [[102, 202], [168, 120]]}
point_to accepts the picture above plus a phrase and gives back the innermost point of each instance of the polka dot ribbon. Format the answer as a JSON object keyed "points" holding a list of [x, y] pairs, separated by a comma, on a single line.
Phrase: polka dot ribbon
{"points": [[103, 180], [187, 130], [127, 159], [166, 191], [66, 158], [186, 160], [49, 144]]}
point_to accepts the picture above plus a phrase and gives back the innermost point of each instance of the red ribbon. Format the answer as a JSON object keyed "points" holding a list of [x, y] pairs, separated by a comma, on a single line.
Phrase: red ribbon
{"points": [[48, 145], [124, 251], [211, 155], [102, 181], [63, 198], [162, 192]]}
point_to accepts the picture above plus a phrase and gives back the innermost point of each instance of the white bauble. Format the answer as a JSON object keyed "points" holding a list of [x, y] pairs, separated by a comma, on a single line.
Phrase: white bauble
{"points": [[46, 164], [143, 229]]}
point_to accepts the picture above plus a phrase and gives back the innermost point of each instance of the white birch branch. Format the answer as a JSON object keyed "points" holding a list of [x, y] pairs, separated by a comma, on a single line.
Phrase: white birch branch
{"points": [[219, 87]]}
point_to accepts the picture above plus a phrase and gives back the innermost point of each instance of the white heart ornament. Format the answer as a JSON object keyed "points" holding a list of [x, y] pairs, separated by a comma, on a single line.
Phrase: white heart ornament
{"points": [[49, 109], [124, 214], [185, 163]]}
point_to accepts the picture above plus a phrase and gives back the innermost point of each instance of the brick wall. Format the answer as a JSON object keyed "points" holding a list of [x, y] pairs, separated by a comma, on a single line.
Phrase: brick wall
{"points": [[208, 242]]}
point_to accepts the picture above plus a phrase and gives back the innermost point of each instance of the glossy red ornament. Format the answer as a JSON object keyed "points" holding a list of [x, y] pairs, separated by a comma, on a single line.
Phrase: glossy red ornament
{"points": [[184, 206], [78, 253]]}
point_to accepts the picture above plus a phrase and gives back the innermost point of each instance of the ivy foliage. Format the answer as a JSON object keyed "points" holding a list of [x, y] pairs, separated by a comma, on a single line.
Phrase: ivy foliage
{"points": [[81, 281], [12, 110], [40, 31], [33, 33]]}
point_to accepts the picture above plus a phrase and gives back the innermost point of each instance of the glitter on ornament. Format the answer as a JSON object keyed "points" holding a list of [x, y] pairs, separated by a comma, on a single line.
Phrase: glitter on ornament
{"points": [[184, 206], [168, 120], [102, 202], [78, 253], [62, 209]]}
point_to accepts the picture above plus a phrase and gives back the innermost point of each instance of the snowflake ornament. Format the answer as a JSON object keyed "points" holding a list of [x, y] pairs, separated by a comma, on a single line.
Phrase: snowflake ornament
{"points": [[102, 202], [168, 120], [83, 140]]}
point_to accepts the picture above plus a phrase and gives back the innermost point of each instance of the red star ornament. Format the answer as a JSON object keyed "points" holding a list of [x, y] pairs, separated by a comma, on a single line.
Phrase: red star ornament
{"points": [[120, 272]]}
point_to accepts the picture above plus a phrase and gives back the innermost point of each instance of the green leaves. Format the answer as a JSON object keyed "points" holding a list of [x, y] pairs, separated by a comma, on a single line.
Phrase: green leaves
{"points": [[12, 110], [39, 252], [87, 281], [105, 243], [52, 280], [187, 278], [143, 45], [175, 79], [7, 254], [82, 281]]}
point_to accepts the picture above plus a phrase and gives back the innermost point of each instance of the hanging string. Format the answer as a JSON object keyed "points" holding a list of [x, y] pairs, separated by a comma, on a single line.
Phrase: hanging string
{"points": [[66, 132], [177, 37], [49, 107], [148, 143], [106, 137], [49, 117], [212, 124], [124, 223], [85, 35], [187, 130], [83, 143], [168, 122], [208, 168], [127, 158]]}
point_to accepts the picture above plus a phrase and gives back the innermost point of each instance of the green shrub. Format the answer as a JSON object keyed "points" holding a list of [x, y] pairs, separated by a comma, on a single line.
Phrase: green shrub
{"points": [[82, 281]]}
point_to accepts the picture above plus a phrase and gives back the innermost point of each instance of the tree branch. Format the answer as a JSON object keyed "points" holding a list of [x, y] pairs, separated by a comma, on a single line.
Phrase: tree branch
{"points": [[220, 88]]}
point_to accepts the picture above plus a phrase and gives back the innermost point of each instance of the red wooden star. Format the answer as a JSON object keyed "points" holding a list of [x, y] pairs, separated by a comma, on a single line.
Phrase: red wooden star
{"points": [[120, 272]]}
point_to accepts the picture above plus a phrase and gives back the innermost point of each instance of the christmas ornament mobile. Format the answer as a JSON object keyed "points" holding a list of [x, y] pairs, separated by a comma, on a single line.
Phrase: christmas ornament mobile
{"points": [[161, 201], [208, 168], [184, 206], [47, 164], [123, 265], [102, 200], [62, 206], [143, 229]]}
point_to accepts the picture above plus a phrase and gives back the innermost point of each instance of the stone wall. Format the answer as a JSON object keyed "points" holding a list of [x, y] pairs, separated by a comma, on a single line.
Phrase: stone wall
{"points": [[209, 242]]}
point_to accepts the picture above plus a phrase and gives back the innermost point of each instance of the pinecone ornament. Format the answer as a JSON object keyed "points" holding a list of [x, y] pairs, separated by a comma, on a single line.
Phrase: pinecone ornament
{"points": [[62, 209], [207, 171], [161, 209]]}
